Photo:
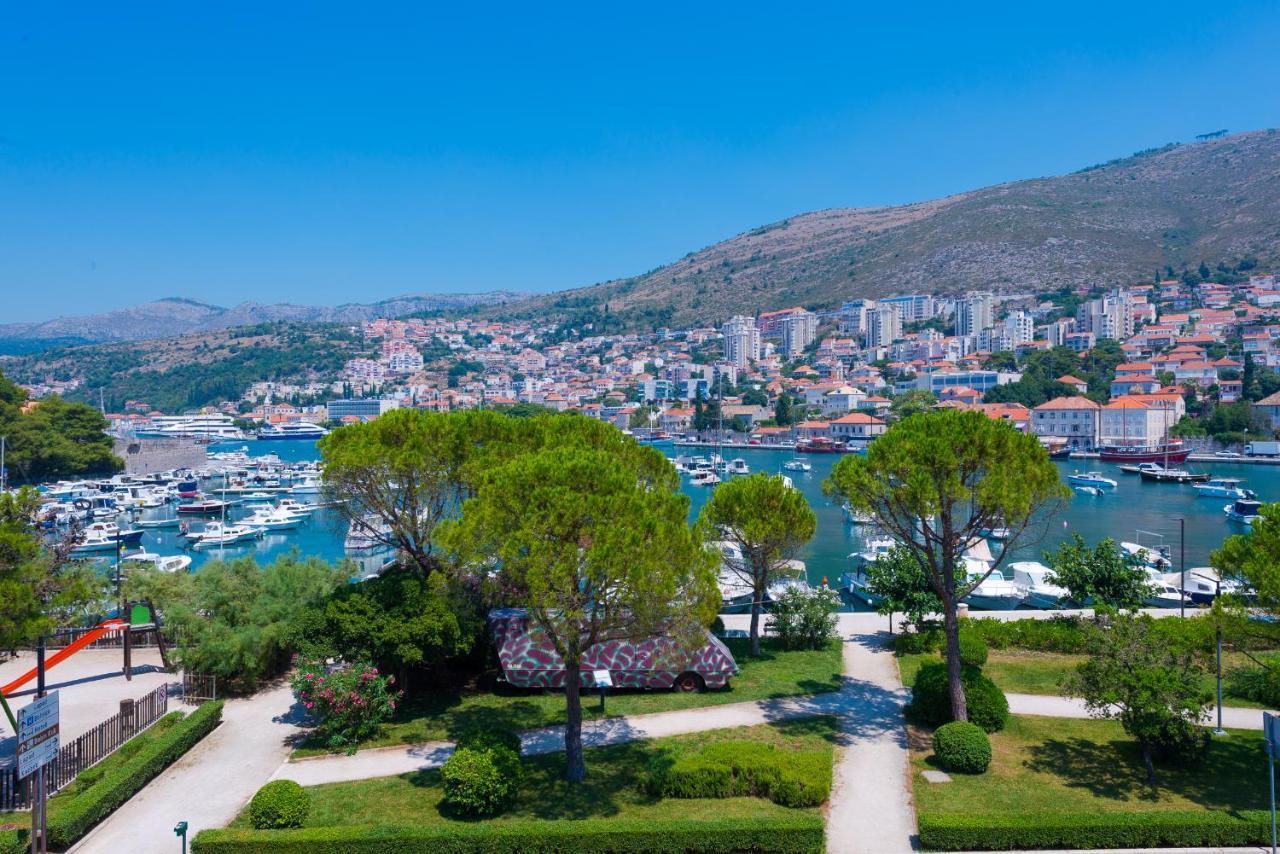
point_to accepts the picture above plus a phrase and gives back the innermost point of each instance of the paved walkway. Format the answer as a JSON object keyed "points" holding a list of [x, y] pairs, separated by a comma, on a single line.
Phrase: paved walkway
{"points": [[1233, 717], [208, 786]]}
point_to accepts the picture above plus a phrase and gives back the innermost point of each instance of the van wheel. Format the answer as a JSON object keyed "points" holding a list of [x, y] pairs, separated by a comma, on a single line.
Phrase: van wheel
{"points": [[689, 682]]}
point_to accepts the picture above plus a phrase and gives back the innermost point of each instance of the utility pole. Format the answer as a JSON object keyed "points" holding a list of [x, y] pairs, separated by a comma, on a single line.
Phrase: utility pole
{"points": [[4, 472]]}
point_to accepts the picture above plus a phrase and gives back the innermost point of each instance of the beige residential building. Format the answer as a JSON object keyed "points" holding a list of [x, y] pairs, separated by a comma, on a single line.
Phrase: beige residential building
{"points": [[1074, 420]]}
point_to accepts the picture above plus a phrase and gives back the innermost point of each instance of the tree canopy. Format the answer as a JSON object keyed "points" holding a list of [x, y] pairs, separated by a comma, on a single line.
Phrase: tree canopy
{"points": [[54, 438], [1104, 575]]}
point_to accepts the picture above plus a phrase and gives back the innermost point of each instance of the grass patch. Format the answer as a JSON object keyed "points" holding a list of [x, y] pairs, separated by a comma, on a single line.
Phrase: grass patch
{"points": [[614, 787], [1058, 765], [1028, 672], [439, 715]]}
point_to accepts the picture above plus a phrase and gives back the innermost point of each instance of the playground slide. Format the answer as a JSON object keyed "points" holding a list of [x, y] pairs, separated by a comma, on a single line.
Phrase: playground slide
{"points": [[106, 627]]}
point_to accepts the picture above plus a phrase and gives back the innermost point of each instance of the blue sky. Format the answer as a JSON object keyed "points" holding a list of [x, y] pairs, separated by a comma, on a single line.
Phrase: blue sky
{"points": [[326, 153]]}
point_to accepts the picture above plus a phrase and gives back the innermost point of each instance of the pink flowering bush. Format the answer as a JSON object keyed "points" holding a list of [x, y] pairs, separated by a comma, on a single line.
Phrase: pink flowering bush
{"points": [[348, 702]]}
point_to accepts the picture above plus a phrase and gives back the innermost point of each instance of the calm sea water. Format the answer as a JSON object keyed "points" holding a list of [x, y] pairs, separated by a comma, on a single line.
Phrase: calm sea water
{"points": [[1145, 512]]}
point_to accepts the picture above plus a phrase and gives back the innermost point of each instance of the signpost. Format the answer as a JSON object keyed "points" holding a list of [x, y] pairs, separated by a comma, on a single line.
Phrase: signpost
{"points": [[1271, 732], [37, 747], [603, 680]]}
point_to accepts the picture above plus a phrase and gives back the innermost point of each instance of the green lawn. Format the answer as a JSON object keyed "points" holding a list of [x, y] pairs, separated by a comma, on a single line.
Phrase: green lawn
{"points": [[613, 788], [1027, 672], [1059, 765], [439, 715]]}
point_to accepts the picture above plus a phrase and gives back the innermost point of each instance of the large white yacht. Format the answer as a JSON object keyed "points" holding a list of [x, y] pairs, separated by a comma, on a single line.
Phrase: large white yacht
{"points": [[293, 430], [204, 426]]}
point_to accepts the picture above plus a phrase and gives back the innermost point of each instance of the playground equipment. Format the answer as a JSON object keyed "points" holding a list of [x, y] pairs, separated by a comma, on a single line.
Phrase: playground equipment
{"points": [[142, 617]]}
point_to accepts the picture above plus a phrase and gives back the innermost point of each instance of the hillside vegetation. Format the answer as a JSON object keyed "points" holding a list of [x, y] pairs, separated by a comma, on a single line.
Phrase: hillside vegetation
{"points": [[1110, 224]]}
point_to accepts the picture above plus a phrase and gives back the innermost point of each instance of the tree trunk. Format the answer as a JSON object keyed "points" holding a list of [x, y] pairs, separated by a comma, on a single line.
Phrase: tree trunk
{"points": [[1151, 766], [755, 625], [951, 627], [575, 768]]}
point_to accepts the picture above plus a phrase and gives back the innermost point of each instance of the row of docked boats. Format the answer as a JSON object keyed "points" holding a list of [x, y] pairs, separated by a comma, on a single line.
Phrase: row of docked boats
{"points": [[708, 471]]}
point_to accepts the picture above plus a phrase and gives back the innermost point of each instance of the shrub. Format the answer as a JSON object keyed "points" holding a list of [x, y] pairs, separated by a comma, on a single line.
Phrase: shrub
{"points": [[1190, 829], [1261, 684], [487, 739], [805, 619], [744, 768], [349, 702], [695, 776], [973, 649], [480, 782], [962, 747], [801, 833], [71, 814], [279, 804], [925, 638], [931, 698]]}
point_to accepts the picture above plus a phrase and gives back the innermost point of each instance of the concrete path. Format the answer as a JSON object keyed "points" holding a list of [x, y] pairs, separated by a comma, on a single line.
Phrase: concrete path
{"points": [[208, 786], [1233, 717], [870, 808]]}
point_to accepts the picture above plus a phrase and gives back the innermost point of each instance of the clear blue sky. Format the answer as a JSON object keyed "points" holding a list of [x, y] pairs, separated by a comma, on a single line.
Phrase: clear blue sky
{"points": [[323, 153]]}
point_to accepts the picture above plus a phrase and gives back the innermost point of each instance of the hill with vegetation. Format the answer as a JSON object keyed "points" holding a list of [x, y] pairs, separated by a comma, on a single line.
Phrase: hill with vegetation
{"points": [[1157, 211]]}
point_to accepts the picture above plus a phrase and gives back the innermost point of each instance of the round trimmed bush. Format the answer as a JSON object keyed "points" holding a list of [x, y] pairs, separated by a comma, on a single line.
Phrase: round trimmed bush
{"points": [[973, 649], [485, 739], [931, 698], [279, 804], [480, 782], [962, 747]]}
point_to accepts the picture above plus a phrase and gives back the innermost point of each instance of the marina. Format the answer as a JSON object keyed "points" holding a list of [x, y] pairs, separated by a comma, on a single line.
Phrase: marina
{"points": [[267, 516]]}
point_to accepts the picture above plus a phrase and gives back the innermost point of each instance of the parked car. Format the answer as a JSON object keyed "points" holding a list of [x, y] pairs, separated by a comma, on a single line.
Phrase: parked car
{"points": [[529, 660]]}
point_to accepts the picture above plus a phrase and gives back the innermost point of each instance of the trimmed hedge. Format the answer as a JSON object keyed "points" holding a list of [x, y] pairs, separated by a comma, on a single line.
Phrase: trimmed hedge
{"points": [[279, 804], [14, 842], [1094, 830], [931, 698], [744, 768], [799, 834], [973, 650], [962, 747], [72, 814]]}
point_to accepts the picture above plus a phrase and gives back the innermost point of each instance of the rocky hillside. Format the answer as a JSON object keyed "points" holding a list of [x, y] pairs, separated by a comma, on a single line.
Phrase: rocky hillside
{"points": [[174, 316], [1108, 224]]}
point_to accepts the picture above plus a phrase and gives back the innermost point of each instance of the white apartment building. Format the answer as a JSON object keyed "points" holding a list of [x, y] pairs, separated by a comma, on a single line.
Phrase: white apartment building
{"points": [[1140, 423], [912, 307], [1112, 316], [884, 325], [1019, 328], [853, 316], [1056, 333], [975, 313], [741, 341], [798, 331]]}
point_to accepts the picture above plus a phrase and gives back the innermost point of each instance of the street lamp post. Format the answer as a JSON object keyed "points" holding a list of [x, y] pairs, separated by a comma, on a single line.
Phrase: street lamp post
{"points": [[1182, 562]]}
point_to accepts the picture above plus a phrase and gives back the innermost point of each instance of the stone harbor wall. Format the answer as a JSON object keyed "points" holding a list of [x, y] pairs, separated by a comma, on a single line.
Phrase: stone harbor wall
{"points": [[144, 456]]}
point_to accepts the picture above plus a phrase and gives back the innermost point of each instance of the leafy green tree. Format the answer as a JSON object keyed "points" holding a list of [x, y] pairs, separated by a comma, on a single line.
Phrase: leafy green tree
{"points": [[1153, 688], [935, 482], [40, 588], [400, 621], [1003, 360], [55, 438], [1253, 559], [769, 522], [641, 417], [595, 549], [1103, 575], [901, 581], [908, 403], [235, 618], [782, 411], [755, 396]]}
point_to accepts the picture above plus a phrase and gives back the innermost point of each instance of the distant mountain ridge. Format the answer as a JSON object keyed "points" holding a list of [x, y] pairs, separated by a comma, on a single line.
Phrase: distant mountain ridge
{"points": [[1110, 224], [174, 316]]}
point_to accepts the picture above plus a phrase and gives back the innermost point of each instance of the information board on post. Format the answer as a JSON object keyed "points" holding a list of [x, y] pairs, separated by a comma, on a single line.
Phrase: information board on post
{"points": [[1271, 733], [38, 734]]}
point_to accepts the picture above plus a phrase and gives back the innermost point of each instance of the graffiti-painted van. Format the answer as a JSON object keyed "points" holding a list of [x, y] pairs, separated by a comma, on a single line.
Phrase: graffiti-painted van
{"points": [[529, 660]]}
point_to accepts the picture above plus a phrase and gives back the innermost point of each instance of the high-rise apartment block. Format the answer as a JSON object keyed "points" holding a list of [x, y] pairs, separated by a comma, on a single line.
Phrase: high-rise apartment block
{"points": [[741, 341]]}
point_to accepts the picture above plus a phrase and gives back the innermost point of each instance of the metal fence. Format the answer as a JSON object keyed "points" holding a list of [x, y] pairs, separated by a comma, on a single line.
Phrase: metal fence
{"points": [[199, 688], [115, 640], [89, 749]]}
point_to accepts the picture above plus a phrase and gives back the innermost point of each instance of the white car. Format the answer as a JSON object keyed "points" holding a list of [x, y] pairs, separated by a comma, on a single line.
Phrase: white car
{"points": [[1228, 454]]}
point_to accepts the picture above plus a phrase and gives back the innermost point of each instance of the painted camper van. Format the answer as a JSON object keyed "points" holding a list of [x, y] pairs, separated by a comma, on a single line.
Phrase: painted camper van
{"points": [[529, 660]]}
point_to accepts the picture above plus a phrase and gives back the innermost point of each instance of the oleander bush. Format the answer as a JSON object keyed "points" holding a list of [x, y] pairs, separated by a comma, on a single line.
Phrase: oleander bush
{"points": [[279, 804], [962, 747], [931, 698], [804, 619], [480, 782], [1259, 683], [802, 833]]}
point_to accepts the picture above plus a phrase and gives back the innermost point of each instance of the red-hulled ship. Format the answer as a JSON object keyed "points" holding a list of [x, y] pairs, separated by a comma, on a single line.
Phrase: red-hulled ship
{"points": [[1169, 452], [821, 445]]}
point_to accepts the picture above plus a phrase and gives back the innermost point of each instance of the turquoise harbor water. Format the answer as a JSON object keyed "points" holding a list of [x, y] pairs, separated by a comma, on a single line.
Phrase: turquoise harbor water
{"points": [[1135, 506]]}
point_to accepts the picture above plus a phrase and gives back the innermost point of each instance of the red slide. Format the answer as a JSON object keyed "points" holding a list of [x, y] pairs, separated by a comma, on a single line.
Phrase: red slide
{"points": [[106, 627]]}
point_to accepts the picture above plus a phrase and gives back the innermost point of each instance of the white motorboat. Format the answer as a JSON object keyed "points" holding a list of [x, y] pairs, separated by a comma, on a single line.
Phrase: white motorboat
{"points": [[1030, 575], [1201, 583], [297, 508], [293, 430], [995, 593], [735, 590], [1223, 487], [273, 519], [738, 466], [164, 563], [1162, 594], [797, 465], [215, 535], [856, 517], [1152, 557], [367, 534], [309, 485], [1244, 511], [855, 581], [256, 497], [998, 533], [169, 522], [704, 477], [1091, 478], [106, 537]]}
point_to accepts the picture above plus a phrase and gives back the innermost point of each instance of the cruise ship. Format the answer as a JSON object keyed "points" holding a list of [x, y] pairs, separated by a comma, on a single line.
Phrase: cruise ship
{"points": [[293, 430], [211, 426]]}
